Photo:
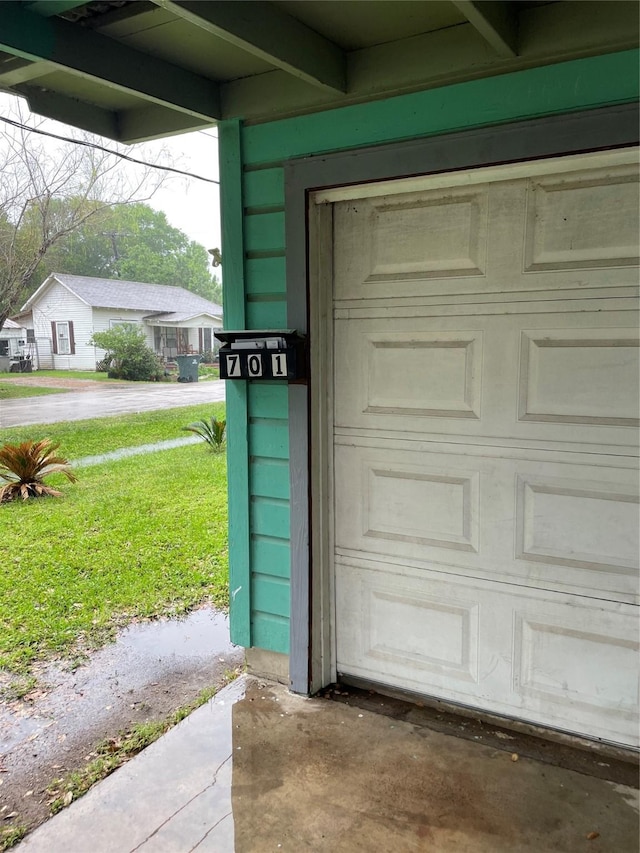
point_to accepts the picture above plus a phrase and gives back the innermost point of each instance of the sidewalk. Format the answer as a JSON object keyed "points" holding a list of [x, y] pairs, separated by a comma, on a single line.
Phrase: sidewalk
{"points": [[258, 769]]}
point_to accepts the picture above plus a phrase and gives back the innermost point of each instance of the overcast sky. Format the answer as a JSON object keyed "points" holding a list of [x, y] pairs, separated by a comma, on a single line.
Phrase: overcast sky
{"points": [[191, 205]]}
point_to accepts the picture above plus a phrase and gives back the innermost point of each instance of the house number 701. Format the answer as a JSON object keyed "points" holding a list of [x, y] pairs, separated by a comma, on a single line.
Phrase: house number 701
{"points": [[233, 365], [254, 365], [279, 364]]}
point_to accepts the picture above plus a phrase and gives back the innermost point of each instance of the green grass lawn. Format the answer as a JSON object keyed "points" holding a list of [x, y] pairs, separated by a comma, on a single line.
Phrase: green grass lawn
{"points": [[208, 371], [12, 391], [139, 537], [100, 435]]}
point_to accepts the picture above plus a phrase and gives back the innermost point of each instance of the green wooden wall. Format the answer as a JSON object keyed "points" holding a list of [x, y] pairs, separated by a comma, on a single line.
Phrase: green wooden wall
{"points": [[255, 284]]}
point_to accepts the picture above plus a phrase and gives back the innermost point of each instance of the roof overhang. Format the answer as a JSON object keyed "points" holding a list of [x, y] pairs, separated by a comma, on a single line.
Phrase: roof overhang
{"points": [[139, 69], [46, 284], [194, 321]]}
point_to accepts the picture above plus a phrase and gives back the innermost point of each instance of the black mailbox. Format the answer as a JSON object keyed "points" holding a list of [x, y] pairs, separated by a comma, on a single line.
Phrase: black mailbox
{"points": [[264, 354]]}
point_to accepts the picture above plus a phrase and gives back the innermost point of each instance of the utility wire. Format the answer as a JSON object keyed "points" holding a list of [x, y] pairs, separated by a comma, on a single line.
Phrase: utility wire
{"points": [[107, 150]]}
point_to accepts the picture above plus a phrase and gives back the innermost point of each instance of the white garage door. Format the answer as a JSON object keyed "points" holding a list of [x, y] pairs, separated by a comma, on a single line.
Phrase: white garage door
{"points": [[485, 437]]}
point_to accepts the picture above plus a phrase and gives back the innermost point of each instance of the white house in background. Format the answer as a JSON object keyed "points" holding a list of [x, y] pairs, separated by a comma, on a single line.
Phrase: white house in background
{"points": [[13, 344], [66, 310], [13, 339]]}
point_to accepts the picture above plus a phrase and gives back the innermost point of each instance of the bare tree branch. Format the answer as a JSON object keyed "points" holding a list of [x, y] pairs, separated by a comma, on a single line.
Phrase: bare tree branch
{"points": [[47, 191]]}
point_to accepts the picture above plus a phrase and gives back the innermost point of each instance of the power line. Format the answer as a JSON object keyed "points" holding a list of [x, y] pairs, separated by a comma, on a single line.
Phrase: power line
{"points": [[107, 150]]}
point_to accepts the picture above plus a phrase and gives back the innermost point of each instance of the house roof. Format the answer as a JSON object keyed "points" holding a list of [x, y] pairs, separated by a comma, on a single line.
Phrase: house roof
{"points": [[9, 324], [134, 69], [166, 302]]}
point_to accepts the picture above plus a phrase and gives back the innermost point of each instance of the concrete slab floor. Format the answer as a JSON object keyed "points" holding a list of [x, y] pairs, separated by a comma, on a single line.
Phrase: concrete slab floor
{"points": [[258, 769]]}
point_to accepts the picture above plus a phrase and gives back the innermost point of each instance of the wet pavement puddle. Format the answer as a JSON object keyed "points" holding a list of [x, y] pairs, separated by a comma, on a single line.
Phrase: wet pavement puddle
{"points": [[145, 655]]}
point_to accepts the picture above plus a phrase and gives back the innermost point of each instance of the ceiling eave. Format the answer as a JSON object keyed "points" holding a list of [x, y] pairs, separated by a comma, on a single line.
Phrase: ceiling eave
{"points": [[82, 77]]}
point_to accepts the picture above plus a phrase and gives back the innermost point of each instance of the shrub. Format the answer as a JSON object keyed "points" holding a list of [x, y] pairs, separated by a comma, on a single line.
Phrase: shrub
{"points": [[212, 431], [24, 466], [128, 355]]}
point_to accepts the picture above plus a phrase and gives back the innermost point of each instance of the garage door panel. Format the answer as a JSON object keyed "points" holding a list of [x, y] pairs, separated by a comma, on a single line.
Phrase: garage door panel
{"points": [[561, 231], [565, 661], [448, 365], [485, 440], [440, 644], [413, 237], [583, 221], [511, 519], [581, 376], [553, 659], [573, 378], [579, 522]]}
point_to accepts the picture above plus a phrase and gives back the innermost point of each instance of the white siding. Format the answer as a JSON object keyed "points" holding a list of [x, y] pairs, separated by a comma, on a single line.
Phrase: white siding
{"points": [[104, 318], [14, 337], [58, 304]]}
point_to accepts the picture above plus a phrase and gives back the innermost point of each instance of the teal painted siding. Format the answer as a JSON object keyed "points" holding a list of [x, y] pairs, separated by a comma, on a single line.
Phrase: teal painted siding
{"points": [[267, 314], [269, 631], [264, 232], [270, 556], [271, 595], [269, 478], [257, 414], [266, 277], [264, 189], [568, 86]]}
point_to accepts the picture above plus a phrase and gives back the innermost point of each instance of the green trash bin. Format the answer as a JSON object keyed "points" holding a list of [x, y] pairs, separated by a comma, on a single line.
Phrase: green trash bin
{"points": [[187, 367]]}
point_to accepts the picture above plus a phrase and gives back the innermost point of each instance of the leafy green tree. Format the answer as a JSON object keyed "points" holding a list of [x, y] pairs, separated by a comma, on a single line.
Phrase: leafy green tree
{"points": [[134, 242], [128, 354]]}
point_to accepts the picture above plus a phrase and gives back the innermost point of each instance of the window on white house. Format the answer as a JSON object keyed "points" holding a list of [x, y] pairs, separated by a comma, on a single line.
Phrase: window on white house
{"points": [[113, 323], [64, 340], [4, 347]]}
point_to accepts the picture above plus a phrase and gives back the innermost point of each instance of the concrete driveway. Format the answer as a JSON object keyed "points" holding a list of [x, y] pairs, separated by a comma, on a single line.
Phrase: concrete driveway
{"points": [[103, 399], [258, 770]]}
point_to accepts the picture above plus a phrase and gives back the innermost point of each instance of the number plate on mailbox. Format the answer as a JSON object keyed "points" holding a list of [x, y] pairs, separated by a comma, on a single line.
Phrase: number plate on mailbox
{"points": [[261, 355]]}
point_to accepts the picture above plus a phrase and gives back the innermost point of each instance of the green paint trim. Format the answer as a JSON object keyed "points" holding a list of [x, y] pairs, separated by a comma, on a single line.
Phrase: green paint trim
{"points": [[269, 439], [270, 555], [264, 188], [269, 400], [270, 517], [267, 315], [270, 632], [230, 154], [271, 595], [264, 232], [266, 275], [270, 479], [564, 87]]}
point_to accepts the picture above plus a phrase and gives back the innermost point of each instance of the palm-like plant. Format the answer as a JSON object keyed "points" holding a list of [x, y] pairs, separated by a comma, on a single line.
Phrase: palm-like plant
{"points": [[212, 431], [24, 466]]}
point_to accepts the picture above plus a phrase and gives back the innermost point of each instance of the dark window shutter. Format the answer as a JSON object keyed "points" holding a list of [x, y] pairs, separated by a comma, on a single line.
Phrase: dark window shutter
{"points": [[72, 340], [54, 337]]}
